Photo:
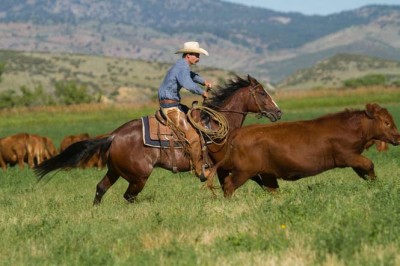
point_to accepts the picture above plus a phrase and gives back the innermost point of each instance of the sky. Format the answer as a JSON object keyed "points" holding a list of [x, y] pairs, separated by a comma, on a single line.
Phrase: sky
{"points": [[313, 7]]}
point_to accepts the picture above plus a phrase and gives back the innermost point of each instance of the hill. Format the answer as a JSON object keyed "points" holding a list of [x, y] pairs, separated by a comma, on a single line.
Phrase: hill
{"points": [[259, 41], [335, 71], [115, 79]]}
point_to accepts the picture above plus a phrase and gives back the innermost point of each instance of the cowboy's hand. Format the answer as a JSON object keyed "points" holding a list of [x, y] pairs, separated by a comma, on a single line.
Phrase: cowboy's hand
{"points": [[207, 84]]}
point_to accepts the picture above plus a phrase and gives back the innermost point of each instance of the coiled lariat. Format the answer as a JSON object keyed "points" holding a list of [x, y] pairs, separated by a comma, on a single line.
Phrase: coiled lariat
{"points": [[220, 127]]}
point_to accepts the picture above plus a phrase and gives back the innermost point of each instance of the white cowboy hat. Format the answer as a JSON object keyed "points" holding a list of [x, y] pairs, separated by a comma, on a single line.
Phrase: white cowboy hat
{"points": [[192, 47]]}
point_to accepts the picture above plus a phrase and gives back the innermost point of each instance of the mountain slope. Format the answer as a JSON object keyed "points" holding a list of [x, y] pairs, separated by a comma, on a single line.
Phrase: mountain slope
{"points": [[258, 41], [116, 79], [333, 71]]}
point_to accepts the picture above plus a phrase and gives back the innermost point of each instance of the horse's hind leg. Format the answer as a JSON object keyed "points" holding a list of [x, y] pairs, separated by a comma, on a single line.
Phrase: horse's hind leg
{"points": [[102, 187], [134, 189]]}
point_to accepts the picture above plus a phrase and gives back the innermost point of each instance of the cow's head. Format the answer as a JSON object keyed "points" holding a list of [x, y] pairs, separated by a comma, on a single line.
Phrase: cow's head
{"points": [[383, 126]]}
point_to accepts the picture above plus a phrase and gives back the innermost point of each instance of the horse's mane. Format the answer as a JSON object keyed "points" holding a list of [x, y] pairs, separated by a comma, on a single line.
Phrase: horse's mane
{"points": [[219, 95]]}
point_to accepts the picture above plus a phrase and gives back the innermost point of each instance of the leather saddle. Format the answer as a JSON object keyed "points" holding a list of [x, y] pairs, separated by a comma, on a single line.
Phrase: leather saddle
{"points": [[157, 134]]}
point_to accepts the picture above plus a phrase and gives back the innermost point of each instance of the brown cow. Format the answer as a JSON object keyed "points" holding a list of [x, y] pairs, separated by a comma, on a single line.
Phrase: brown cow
{"points": [[95, 161], [50, 148], [14, 150], [293, 150], [37, 148], [72, 139], [41, 148]]}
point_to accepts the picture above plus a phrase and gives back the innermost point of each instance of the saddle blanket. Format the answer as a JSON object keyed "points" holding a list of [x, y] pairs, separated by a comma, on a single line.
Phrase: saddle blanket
{"points": [[156, 134]]}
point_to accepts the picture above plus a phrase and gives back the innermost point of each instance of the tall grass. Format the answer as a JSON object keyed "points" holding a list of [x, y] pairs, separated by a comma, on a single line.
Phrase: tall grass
{"points": [[334, 218]]}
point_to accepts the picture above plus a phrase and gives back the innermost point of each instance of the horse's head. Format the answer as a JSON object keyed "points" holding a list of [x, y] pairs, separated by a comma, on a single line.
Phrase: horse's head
{"points": [[261, 102], [241, 96]]}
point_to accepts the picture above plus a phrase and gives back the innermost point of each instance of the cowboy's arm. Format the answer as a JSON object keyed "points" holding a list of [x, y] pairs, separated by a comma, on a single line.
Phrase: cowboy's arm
{"points": [[186, 81], [198, 79]]}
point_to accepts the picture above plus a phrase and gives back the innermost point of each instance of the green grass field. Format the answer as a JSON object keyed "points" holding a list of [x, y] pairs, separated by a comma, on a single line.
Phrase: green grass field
{"points": [[334, 218]]}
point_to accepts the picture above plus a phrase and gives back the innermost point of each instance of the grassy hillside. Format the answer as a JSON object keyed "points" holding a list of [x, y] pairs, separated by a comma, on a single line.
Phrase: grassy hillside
{"points": [[135, 81], [117, 79], [334, 71]]}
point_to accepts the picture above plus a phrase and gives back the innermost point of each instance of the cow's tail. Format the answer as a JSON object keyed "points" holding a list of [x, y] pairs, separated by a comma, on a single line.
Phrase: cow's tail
{"points": [[75, 155]]}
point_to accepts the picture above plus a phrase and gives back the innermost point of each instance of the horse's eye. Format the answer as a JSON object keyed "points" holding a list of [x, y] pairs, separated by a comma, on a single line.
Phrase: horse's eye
{"points": [[387, 124], [263, 93]]}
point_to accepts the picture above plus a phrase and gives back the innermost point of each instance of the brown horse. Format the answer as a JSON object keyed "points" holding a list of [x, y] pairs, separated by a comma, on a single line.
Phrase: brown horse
{"points": [[293, 150], [128, 157]]}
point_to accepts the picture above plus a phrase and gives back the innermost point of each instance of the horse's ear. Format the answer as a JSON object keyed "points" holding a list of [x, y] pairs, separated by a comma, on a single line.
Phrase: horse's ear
{"points": [[251, 79], [371, 109]]}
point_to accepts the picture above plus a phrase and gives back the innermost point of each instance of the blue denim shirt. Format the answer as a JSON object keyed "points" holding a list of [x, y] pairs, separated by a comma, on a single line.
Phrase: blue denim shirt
{"points": [[178, 76]]}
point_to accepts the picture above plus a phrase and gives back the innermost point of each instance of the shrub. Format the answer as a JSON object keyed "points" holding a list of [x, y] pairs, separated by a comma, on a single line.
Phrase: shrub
{"points": [[365, 81], [70, 93], [25, 97]]}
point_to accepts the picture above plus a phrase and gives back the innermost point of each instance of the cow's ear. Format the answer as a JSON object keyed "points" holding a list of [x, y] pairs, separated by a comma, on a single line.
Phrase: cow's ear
{"points": [[371, 109]]}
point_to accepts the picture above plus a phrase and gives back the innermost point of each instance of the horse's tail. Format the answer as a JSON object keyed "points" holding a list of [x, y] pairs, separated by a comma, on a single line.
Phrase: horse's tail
{"points": [[75, 155]]}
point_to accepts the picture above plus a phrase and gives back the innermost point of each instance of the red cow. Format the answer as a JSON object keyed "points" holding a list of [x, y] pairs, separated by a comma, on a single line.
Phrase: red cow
{"points": [[72, 139], [14, 150], [293, 150]]}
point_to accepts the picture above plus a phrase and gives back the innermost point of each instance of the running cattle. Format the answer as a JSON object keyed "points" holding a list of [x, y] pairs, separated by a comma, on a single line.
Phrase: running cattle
{"points": [[293, 150]]}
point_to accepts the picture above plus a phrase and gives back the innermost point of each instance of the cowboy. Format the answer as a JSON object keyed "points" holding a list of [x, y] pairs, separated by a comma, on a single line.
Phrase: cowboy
{"points": [[179, 76]]}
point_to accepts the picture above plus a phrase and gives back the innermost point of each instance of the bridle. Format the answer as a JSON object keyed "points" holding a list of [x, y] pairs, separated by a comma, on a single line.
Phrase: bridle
{"points": [[253, 93], [252, 90]]}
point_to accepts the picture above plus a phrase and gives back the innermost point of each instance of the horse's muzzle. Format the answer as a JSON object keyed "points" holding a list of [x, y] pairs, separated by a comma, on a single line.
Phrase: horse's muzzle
{"points": [[272, 116]]}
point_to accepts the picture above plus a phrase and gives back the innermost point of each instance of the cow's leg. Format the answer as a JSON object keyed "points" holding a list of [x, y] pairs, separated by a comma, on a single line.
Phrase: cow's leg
{"points": [[259, 181], [108, 180], [3, 164], [365, 174], [270, 183], [134, 189], [222, 174], [364, 167], [21, 162], [233, 181]]}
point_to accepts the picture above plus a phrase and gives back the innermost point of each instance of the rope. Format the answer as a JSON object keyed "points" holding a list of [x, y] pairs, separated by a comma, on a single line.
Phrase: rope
{"points": [[216, 136]]}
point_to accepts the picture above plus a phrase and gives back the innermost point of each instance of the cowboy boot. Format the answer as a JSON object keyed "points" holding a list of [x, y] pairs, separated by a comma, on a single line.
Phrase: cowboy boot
{"points": [[193, 139], [195, 150]]}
